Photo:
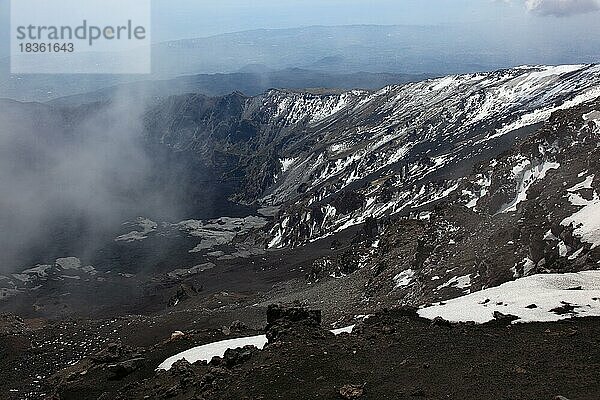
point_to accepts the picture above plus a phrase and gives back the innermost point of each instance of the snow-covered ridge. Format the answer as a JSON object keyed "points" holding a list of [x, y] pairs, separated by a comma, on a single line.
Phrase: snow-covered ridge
{"points": [[408, 135], [291, 108]]}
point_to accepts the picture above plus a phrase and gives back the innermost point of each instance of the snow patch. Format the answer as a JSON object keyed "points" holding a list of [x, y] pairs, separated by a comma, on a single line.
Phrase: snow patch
{"points": [[286, 163], [145, 226], [546, 292], [69, 263], [586, 221], [592, 116], [528, 266], [526, 175], [339, 331], [587, 184], [220, 231], [576, 254], [404, 278], [541, 115], [458, 282], [217, 349]]}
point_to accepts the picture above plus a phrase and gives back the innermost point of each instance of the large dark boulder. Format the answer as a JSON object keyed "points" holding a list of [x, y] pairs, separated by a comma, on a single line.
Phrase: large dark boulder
{"points": [[294, 320]]}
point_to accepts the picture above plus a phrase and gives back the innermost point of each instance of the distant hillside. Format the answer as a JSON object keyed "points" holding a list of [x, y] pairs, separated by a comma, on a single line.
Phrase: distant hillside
{"points": [[249, 83]]}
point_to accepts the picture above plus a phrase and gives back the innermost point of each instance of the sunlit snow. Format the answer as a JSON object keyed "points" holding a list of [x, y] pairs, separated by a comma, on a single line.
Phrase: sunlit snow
{"points": [[587, 220], [531, 299]]}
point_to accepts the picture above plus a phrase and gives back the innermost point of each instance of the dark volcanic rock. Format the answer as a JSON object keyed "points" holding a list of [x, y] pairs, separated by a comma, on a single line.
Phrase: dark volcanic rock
{"points": [[293, 320], [277, 313], [184, 292], [348, 201], [504, 318], [233, 357], [124, 368], [565, 308], [439, 321]]}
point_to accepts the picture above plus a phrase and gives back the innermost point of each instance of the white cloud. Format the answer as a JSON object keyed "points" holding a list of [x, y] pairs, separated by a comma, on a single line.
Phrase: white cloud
{"points": [[562, 8]]}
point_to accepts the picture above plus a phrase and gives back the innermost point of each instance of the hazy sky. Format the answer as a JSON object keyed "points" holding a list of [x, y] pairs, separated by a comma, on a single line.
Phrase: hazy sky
{"points": [[546, 27], [177, 19], [192, 18]]}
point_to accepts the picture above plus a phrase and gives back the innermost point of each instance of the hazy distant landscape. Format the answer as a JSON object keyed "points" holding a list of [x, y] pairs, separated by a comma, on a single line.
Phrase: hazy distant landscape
{"points": [[412, 51]]}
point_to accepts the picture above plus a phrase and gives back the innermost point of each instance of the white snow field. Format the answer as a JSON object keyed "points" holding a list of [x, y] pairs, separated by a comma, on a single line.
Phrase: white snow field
{"points": [[587, 220], [208, 351], [217, 349], [545, 291]]}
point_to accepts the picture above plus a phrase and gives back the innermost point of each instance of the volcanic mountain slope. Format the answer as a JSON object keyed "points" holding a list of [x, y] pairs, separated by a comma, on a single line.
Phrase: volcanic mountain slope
{"points": [[392, 150], [330, 161], [316, 164], [533, 209], [462, 208]]}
